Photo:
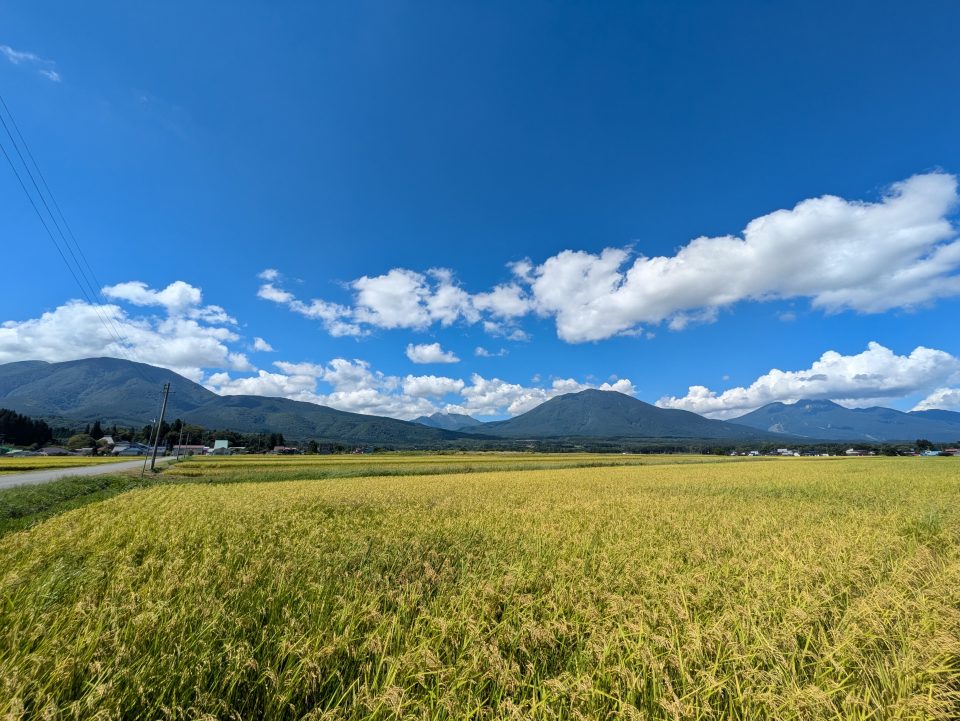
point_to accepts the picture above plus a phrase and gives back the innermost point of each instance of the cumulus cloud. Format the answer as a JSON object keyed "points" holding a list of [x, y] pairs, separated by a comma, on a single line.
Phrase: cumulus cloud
{"points": [[431, 386], [406, 299], [47, 68], [493, 396], [80, 330], [334, 317], [430, 353], [947, 399], [176, 297], [869, 377], [899, 252], [352, 385], [269, 274], [199, 341]]}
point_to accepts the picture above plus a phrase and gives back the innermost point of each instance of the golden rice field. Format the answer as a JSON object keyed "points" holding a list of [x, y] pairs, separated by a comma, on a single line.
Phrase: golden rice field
{"points": [[779, 589], [247, 468], [39, 463]]}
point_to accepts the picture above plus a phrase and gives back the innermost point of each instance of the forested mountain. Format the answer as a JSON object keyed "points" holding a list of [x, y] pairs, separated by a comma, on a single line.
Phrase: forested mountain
{"points": [[608, 414], [119, 391], [830, 421], [451, 422]]}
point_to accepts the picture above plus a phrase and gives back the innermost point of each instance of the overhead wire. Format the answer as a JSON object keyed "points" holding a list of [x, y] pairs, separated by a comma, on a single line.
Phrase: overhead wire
{"points": [[91, 292]]}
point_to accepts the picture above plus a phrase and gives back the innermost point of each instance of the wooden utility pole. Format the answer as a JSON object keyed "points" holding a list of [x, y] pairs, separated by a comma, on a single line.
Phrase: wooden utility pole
{"points": [[156, 440]]}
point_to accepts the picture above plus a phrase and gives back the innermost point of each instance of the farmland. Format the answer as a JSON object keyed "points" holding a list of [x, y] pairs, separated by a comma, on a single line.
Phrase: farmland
{"points": [[494, 586]]}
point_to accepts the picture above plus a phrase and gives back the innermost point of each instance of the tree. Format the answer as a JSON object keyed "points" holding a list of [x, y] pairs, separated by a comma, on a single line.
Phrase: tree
{"points": [[312, 448], [21, 430], [81, 440], [924, 445]]}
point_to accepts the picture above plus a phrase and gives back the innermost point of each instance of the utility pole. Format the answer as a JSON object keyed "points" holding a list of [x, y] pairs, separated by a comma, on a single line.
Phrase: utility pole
{"points": [[180, 442], [163, 409]]}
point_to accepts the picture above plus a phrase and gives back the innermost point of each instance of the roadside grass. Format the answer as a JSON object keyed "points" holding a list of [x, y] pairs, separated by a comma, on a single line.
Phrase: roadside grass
{"points": [[25, 506], [783, 589]]}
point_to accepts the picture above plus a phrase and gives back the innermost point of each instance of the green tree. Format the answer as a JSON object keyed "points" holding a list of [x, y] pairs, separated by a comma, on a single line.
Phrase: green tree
{"points": [[312, 448], [81, 440]]}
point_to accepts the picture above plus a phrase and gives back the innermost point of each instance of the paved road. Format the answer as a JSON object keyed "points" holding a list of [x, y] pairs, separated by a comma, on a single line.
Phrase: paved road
{"points": [[53, 474]]}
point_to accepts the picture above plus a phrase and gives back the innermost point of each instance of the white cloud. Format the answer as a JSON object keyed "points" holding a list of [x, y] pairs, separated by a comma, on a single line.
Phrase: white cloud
{"points": [[269, 274], [431, 386], [493, 396], [259, 344], [354, 386], [80, 330], [268, 291], [334, 317], [900, 252], [21, 57], [947, 399], [874, 375], [176, 297], [504, 301], [430, 353], [482, 352], [394, 300]]}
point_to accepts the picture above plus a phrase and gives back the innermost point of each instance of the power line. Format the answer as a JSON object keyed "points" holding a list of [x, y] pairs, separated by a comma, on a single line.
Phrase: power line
{"points": [[93, 297], [96, 284]]}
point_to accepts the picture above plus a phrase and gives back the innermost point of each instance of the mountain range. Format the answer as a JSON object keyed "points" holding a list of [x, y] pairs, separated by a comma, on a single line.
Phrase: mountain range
{"points": [[449, 421], [127, 393], [826, 420]]}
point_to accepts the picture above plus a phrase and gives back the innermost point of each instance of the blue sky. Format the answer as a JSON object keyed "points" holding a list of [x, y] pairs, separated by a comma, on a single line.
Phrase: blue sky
{"points": [[393, 164]]}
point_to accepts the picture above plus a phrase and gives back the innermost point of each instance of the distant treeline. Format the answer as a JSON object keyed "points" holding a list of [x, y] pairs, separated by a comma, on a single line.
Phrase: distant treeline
{"points": [[19, 430]]}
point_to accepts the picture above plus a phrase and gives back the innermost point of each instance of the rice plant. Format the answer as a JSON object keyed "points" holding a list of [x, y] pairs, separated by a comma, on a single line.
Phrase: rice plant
{"points": [[785, 589]]}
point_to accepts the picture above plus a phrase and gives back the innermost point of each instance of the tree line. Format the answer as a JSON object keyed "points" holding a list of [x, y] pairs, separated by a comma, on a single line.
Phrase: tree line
{"points": [[20, 430]]}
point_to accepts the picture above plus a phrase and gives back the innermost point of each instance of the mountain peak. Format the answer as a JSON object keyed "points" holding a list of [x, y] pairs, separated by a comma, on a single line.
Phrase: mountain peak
{"points": [[448, 421], [595, 413], [826, 420]]}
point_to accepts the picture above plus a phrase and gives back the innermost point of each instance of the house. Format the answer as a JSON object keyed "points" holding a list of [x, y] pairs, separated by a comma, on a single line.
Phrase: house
{"points": [[951, 451], [854, 452], [188, 450], [221, 448], [54, 451], [285, 450], [131, 449]]}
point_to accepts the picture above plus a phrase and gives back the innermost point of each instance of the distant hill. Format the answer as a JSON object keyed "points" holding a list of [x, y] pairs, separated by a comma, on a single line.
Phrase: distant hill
{"points": [[449, 421], [938, 415], [826, 420], [109, 389], [126, 393], [609, 414]]}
